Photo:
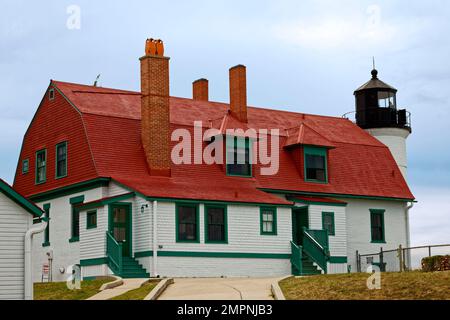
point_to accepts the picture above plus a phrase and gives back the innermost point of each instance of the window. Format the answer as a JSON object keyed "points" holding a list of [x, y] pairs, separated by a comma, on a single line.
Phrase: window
{"points": [[268, 221], [75, 221], [238, 157], [51, 94], [386, 99], [377, 225], [215, 224], [315, 164], [187, 223], [328, 222], [91, 219], [47, 230], [41, 166], [25, 166], [61, 160]]}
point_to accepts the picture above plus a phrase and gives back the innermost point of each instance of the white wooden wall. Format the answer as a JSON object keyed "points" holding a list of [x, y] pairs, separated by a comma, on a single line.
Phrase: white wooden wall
{"points": [[14, 223]]}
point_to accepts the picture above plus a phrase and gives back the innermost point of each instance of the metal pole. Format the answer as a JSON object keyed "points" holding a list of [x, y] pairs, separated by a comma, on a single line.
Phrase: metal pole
{"points": [[382, 269], [358, 266]]}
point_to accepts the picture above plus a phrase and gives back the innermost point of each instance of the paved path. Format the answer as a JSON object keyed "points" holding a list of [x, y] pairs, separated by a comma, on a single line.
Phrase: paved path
{"points": [[128, 284], [219, 289]]}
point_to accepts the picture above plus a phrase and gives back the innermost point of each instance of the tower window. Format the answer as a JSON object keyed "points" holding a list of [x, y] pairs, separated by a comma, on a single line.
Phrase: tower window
{"points": [[315, 164], [238, 157], [386, 99]]}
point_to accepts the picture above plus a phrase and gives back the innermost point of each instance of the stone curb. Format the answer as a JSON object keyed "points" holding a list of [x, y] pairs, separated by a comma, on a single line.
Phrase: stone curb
{"points": [[276, 290], [159, 289], [117, 282]]}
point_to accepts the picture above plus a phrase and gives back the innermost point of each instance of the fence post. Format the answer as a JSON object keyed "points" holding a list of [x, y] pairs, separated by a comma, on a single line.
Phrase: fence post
{"points": [[358, 263], [400, 257], [429, 251], [382, 269]]}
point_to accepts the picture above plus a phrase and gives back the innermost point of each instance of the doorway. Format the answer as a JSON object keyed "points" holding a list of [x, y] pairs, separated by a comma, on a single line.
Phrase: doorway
{"points": [[300, 219], [120, 226]]}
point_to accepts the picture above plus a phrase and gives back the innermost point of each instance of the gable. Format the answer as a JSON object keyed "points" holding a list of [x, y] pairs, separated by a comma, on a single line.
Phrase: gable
{"points": [[19, 199], [55, 121]]}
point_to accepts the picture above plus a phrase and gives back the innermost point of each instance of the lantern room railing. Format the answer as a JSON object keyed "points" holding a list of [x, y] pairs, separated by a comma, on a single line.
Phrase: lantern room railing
{"points": [[380, 118]]}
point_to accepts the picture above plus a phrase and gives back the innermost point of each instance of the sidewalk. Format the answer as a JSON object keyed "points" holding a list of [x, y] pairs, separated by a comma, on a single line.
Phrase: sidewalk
{"points": [[219, 289], [128, 284]]}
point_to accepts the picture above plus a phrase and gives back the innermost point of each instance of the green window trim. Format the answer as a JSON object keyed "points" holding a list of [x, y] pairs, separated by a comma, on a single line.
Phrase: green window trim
{"points": [[25, 166], [331, 215], [237, 143], [75, 218], [373, 213], [225, 223], [59, 175], [273, 211], [91, 219], [46, 242], [197, 221], [315, 151], [39, 165]]}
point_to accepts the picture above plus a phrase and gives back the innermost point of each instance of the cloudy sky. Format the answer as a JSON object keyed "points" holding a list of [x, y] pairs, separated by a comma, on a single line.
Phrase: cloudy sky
{"points": [[306, 56]]}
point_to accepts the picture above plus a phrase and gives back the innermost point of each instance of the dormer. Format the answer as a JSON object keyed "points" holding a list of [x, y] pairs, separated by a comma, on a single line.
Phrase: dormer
{"points": [[309, 150]]}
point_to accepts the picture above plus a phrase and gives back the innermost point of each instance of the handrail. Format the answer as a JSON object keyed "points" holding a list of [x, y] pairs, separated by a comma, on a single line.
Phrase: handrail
{"points": [[296, 258], [114, 253], [314, 240], [314, 249]]}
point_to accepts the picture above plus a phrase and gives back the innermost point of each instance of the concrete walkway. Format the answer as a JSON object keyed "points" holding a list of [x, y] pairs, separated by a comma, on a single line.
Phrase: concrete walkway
{"points": [[219, 289], [128, 284]]}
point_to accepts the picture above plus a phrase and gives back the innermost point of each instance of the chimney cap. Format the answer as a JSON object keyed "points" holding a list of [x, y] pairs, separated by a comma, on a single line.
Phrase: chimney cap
{"points": [[238, 66], [201, 79]]}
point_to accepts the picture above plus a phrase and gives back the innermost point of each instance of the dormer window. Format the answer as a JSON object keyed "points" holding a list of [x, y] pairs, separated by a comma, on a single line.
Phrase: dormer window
{"points": [[238, 158], [61, 160], [316, 164]]}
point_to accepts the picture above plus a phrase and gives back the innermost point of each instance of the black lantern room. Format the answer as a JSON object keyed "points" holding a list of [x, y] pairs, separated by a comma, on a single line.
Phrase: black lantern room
{"points": [[376, 106]]}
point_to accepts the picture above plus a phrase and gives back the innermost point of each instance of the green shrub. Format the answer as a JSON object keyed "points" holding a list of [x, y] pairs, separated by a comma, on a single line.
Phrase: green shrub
{"points": [[436, 263]]}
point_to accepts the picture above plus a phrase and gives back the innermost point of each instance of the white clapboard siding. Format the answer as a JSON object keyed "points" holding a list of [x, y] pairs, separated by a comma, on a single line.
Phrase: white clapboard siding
{"points": [[65, 253], [358, 227], [14, 223], [244, 233], [338, 242], [93, 241]]}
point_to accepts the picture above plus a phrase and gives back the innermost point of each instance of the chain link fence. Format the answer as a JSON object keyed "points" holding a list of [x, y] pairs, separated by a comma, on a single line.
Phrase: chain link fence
{"points": [[399, 259]]}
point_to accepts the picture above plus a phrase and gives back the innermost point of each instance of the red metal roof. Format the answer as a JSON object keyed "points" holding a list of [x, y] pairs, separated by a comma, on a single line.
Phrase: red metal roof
{"points": [[358, 164]]}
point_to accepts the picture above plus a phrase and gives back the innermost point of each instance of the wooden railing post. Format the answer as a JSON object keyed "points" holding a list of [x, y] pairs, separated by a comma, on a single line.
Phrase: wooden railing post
{"points": [[400, 257]]}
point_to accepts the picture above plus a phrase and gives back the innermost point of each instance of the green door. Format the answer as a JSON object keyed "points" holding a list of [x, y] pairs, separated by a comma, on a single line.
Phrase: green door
{"points": [[299, 220], [120, 226]]}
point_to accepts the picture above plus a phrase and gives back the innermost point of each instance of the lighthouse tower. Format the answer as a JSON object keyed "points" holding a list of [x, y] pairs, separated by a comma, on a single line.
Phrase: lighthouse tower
{"points": [[377, 113]]}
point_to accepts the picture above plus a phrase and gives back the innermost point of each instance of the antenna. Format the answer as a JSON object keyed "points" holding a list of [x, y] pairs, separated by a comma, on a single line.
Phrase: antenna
{"points": [[96, 80], [373, 62]]}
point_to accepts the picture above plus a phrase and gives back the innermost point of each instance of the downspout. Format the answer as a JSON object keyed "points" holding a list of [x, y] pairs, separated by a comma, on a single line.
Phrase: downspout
{"points": [[408, 235], [28, 261], [155, 239]]}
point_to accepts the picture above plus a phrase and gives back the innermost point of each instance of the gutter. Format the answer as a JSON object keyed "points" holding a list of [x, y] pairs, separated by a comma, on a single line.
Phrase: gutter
{"points": [[155, 239], [28, 261]]}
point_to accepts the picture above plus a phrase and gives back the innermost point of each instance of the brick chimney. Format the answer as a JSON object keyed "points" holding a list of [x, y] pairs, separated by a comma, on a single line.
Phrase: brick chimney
{"points": [[155, 111], [238, 92], [200, 89]]}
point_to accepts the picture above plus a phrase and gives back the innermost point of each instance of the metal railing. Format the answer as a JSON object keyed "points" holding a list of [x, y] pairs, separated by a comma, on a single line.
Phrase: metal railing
{"points": [[315, 245], [399, 259], [380, 117], [114, 253], [296, 259]]}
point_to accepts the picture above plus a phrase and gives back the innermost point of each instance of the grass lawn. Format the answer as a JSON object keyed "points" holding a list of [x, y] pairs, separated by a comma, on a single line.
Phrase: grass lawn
{"points": [[415, 285], [139, 293], [59, 290]]}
